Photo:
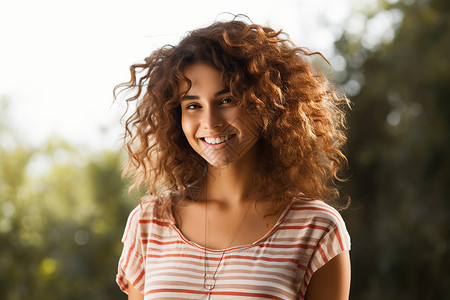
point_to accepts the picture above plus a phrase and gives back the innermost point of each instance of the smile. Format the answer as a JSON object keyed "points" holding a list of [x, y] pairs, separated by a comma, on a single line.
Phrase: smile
{"points": [[218, 140]]}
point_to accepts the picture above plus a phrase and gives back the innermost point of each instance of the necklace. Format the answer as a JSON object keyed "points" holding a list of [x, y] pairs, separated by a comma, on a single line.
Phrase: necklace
{"points": [[209, 281]]}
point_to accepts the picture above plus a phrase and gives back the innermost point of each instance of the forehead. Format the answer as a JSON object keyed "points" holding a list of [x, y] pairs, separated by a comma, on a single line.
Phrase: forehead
{"points": [[203, 77]]}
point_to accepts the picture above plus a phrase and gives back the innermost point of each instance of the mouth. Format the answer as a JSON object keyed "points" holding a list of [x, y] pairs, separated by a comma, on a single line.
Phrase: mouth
{"points": [[218, 140]]}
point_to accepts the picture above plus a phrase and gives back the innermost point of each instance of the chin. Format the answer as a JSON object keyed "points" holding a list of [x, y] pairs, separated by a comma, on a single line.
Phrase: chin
{"points": [[219, 162]]}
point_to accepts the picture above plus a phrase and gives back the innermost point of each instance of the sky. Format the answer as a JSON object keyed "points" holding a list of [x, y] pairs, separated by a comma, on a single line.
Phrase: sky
{"points": [[60, 60]]}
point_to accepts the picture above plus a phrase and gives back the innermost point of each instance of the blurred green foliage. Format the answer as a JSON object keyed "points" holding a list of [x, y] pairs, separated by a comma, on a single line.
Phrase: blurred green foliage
{"points": [[63, 210], [62, 214], [399, 150]]}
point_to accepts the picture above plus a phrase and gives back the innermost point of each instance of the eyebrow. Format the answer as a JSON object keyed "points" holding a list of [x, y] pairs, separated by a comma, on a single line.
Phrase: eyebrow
{"points": [[192, 97]]}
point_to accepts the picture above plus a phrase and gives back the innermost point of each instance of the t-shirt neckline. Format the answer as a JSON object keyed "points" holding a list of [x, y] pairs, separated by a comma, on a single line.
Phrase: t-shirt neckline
{"points": [[233, 248]]}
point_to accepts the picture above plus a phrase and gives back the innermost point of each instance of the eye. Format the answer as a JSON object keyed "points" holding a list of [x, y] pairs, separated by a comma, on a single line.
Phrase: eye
{"points": [[227, 100], [191, 106]]}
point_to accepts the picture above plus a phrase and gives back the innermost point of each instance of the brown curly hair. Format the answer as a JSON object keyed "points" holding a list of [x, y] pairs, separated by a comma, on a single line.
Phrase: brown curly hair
{"points": [[301, 117]]}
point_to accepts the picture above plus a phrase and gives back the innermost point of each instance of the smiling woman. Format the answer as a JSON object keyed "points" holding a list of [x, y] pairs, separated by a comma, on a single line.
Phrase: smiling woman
{"points": [[238, 142], [211, 120]]}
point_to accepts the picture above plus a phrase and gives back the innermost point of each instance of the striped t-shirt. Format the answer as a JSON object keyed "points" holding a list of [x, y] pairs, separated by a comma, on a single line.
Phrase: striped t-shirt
{"points": [[162, 264]]}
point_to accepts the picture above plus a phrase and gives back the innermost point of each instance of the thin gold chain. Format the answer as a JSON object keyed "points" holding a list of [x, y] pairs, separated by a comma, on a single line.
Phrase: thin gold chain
{"points": [[211, 286]]}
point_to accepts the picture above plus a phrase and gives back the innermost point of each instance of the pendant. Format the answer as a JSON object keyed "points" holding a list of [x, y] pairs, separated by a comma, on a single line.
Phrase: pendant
{"points": [[209, 282]]}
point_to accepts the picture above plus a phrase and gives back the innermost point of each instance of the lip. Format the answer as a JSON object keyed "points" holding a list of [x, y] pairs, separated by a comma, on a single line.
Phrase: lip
{"points": [[218, 146]]}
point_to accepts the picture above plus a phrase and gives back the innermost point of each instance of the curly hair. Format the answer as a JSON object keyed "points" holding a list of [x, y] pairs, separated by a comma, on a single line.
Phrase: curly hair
{"points": [[300, 114]]}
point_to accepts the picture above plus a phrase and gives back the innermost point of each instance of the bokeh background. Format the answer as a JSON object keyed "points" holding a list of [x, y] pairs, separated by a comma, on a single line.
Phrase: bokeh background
{"points": [[63, 205]]}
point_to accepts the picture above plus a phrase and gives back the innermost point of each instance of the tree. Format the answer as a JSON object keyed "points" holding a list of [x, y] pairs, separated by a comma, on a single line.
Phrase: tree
{"points": [[62, 214], [399, 149]]}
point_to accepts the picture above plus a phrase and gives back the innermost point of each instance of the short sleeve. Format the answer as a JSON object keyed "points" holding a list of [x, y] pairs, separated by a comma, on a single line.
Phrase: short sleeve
{"points": [[334, 241], [131, 263]]}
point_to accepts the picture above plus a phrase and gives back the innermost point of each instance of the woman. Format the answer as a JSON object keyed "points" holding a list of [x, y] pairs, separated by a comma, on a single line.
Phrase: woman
{"points": [[238, 143]]}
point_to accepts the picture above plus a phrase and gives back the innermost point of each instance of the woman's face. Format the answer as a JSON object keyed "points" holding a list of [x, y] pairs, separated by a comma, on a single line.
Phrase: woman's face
{"points": [[211, 120]]}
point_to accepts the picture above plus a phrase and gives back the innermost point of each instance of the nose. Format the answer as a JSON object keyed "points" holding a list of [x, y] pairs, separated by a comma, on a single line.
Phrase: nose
{"points": [[212, 118]]}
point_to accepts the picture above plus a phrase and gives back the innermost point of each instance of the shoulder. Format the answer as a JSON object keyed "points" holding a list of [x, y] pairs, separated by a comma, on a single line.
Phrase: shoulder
{"points": [[321, 221], [322, 233], [145, 208], [316, 209], [150, 210]]}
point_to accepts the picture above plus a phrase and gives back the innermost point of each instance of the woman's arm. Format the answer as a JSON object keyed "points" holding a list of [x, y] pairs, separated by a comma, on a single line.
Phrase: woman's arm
{"points": [[332, 281], [134, 294]]}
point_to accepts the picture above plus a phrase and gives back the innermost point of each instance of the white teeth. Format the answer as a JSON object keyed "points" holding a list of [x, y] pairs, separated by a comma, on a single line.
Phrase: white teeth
{"points": [[217, 140]]}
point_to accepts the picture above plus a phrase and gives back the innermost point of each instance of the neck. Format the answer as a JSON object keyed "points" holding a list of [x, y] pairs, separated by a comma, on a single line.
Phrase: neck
{"points": [[232, 184]]}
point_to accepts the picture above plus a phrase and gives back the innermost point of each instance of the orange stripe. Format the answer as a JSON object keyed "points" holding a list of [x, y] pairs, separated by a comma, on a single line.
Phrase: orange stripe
{"points": [[139, 278], [316, 208], [167, 290], [302, 296], [293, 260], [151, 241], [129, 254], [154, 222], [257, 295], [288, 246], [181, 255], [313, 226], [201, 258], [322, 253], [338, 235]]}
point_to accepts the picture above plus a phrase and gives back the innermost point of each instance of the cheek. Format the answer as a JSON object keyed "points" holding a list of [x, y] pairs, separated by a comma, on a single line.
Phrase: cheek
{"points": [[249, 125], [232, 116], [188, 127]]}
